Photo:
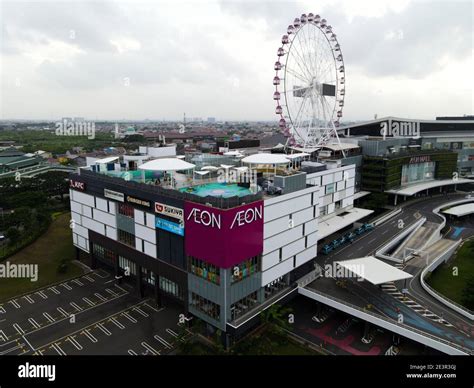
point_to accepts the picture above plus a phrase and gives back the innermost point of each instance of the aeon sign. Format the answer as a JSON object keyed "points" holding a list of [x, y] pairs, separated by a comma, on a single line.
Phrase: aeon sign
{"points": [[241, 218], [223, 237]]}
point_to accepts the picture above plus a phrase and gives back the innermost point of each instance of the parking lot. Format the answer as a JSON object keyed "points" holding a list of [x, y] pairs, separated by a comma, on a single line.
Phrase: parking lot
{"points": [[88, 315]]}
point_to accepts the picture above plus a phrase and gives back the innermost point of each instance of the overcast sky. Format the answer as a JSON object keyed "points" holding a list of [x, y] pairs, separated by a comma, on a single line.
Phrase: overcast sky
{"points": [[137, 60]]}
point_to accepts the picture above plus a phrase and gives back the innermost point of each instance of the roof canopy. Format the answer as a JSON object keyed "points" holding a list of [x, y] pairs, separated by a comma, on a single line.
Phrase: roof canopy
{"points": [[373, 270], [341, 146], [107, 160], [416, 188], [266, 159], [296, 156], [166, 164], [461, 210]]}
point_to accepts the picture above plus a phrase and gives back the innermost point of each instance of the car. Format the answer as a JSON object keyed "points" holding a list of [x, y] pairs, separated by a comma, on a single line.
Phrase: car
{"points": [[351, 236], [327, 249], [2, 237], [368, 227], [360, 230]]}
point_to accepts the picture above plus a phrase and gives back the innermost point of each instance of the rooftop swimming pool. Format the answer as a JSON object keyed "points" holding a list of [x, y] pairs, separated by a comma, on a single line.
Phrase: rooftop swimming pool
{"points": [[215, 189]]}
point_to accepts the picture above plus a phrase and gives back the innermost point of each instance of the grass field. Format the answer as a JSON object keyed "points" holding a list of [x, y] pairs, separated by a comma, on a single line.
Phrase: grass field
{"points": [[442, 279], [47, 251]]}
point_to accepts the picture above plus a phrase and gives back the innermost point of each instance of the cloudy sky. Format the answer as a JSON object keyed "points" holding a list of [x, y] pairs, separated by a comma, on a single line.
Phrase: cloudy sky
{"points": [[137, 60]]}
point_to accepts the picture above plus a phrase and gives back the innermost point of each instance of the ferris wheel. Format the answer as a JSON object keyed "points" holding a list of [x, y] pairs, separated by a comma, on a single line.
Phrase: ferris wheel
{"points": [[309, 83]]}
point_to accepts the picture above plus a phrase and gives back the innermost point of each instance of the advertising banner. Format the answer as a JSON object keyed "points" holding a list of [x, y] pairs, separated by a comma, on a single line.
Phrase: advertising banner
{"points": [[169, 211], [169, 226], [223, 237]]}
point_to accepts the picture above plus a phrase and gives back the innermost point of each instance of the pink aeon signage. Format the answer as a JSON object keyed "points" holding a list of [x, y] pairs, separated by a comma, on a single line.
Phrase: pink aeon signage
{"points": [[223, 237]]}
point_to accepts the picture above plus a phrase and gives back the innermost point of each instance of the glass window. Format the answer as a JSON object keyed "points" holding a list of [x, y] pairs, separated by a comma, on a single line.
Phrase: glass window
{"points": [[126, 210], [205, 306], [204, 270], [330, 188], [245, 269], [126, 237]]}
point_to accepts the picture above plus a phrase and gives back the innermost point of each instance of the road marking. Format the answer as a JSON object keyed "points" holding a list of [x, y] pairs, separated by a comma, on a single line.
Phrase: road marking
{"points": [[58, 349], [78, 308], [74, 342], [28, 342], [17, 327], [66, 286], [89, 335], [104, 329], [120, 288], [89, 278], [55, 290], [174, 334], [159, 339], [2, 310], [113, 293], [29, 299], [38, 351], [48, 317], [117, 323], [149, 348], [96, 273], [14, 303], [88, 301], [78, 282], [140, 311], [370, 241], [34, 323], [130, 318], [100, 297], [153, 308], [63, 312], [3, 336], [132, 353], [42, 294], [385, 232]]}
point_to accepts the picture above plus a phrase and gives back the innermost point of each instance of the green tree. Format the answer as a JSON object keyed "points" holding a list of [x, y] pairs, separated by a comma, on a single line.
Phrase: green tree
{"points": [[13, 234], [468, 294]]}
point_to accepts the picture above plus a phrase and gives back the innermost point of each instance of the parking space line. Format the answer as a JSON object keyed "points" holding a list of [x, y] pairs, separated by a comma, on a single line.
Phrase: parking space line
{"points": [[163, 341], [117, 323], [3, 336], [174, 334], [29, 299], [132, 353], [78, 308], [100, 297], [42, 294], [77, 281], [66, 286], [153, 308], [14, 303], [96, 273], [140, 311], [55, 290], [48, 317], [89, 278], [150, 349], [120, 288], [104, 329], [2, 310], [89, 335], [34, 323], [130, 318], [63, 312], [17, 327], [74, 342], [38, 351], [88, 301], [113, 293], [58, 349]]}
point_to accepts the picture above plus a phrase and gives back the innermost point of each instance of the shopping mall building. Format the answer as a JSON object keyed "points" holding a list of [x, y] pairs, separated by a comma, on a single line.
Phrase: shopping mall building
{"points": [[183, 231]]}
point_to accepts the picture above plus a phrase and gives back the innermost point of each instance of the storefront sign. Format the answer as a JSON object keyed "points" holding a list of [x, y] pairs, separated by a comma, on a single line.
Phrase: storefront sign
{"points": [[170, 226], [114, 195], [420, 159], [169, 211], [223, 237], [138, 201], [76, 185]]}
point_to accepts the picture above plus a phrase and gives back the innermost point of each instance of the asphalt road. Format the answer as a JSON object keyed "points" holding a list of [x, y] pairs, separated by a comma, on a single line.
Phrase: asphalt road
{"points": [[87, 315], [364, 293]]}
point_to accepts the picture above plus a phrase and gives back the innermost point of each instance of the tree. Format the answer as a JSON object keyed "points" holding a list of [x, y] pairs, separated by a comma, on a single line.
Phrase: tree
{"points": [[13, 234]]}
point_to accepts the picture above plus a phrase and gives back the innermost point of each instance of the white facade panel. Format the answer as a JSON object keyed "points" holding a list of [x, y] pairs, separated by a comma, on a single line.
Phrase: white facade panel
{"points": [[150, 249], [338, 176], [111, 232], [341, 185], [150, 220], [350, 191], [275, 272], [145, 233], [286, 207], [328, 178], [348, 201], [326, 200], [306, 255], [311, 226], [312, 239], [270, 259], [76, 218], [282, 239], [138, 244], [86, 211], [93, 225], [112, 207], [139, 217], [83, 198], [350, 182], [276, 226], [74, 238], [292, 249], [331, 208], [76, 207], [105, 218], [101, 204], [81, 231], [303, 216]]}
